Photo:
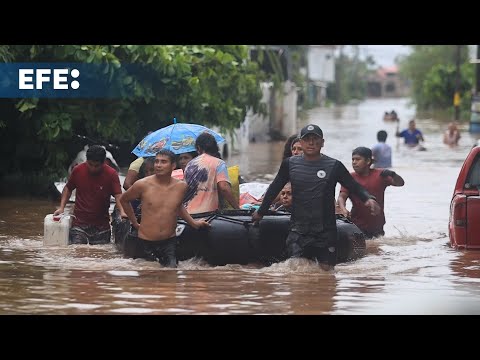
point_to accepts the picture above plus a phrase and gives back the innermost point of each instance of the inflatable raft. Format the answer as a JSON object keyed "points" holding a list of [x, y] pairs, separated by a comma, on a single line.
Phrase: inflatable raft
{"points": [[234, 239]]}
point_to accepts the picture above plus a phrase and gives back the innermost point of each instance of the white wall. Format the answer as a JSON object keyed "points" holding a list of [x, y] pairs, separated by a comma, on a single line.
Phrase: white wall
{"points": [[282, 117], [321, 63], [289, 109]]}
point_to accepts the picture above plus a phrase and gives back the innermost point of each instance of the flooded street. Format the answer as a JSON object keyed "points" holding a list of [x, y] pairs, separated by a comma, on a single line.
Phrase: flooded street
{"points": [[411, 270]]}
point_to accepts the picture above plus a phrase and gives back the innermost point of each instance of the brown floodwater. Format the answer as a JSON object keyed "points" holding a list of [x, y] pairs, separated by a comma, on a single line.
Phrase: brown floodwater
{"points": [[411, 270]]}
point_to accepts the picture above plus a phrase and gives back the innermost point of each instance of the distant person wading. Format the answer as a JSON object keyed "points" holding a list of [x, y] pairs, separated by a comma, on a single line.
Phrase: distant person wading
{"points": [[412, 136], [382, 152], [451, 135]]}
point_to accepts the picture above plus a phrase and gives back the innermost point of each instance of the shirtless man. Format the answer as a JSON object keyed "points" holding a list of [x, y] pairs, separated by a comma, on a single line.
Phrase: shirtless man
{"points": [[452, 135], [161, 197]]}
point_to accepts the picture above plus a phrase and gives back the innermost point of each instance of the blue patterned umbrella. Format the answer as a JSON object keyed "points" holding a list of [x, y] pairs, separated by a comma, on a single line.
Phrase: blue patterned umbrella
{"points": [[179, 138]]}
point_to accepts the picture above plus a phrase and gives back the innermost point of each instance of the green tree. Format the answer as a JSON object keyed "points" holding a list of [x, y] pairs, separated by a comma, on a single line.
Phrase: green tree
{"points": [[350, 77], [205, 84], [432, 72]]}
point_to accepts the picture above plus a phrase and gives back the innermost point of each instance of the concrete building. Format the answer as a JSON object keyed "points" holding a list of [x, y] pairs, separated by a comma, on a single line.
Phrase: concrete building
{"points": [[320, 71], [280, 120], [386, 82]]}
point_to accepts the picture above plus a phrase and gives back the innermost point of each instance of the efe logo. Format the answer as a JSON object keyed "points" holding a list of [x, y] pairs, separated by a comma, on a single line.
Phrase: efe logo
{"points": [[30, 79]]}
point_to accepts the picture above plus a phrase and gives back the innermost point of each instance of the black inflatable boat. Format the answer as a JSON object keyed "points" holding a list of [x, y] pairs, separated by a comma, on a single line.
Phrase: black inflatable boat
{"points": [[233, 239]]}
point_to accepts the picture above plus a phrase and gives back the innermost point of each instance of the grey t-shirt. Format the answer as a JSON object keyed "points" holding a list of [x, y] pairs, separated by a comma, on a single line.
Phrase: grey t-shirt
{"points": [[382, 153]]}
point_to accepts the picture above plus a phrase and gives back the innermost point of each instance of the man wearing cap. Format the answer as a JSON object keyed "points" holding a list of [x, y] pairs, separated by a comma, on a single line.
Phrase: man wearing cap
{"points": [[313, 227], [375, 181]]}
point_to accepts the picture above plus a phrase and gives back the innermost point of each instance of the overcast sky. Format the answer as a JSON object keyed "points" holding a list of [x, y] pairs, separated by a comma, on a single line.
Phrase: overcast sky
{"points": [[384, 55]]}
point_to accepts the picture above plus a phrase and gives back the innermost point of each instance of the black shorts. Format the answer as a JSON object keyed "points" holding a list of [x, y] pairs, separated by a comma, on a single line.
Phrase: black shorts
{"points": [[89, 234], [313, 246], [163, 251]]}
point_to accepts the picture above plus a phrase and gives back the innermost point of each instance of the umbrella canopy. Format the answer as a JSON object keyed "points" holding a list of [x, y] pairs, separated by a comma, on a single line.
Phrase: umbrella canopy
{"points": [[179, 138]]}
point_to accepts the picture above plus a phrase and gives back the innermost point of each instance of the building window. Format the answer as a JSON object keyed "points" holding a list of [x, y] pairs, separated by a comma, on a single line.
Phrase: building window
{"points": [[390, 87]]}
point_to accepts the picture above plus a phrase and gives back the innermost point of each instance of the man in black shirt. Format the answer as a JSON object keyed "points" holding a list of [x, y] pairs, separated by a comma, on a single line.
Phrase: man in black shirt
{"points": [[314, 176]]}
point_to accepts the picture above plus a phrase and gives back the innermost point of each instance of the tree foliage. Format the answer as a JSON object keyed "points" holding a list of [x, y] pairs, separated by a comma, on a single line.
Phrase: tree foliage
{"points": [[350, 77], [205, 84], [431, 70]]}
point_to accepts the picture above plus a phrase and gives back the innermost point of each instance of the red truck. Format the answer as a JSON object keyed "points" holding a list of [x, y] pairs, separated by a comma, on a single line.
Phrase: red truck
{"points": [[464, 220]]}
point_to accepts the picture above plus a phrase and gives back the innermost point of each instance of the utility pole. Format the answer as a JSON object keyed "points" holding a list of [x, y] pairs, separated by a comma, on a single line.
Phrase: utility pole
{"points": [[475, 114], [477, 72], [456, 97], [338, 75]]}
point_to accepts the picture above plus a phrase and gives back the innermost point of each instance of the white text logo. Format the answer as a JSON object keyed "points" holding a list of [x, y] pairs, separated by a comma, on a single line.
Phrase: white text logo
{"points": [[30, 79]]}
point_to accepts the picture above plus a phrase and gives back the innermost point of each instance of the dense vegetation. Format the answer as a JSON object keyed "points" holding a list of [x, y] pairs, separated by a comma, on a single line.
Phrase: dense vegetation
{"points": [[432, 72], [210, 85], [350, 77]]}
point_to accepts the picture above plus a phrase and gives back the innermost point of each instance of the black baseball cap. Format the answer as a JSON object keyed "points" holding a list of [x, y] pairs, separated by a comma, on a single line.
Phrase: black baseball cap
{"points": [[311, 129]]}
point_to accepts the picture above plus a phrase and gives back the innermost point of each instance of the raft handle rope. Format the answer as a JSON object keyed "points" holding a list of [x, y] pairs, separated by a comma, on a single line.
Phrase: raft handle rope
{"points": [[245, 223], [219, 215], [212, 217]]}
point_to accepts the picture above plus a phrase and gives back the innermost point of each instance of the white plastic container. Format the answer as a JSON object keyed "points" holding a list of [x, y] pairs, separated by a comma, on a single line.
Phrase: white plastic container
{"points": [[56, 230]]}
